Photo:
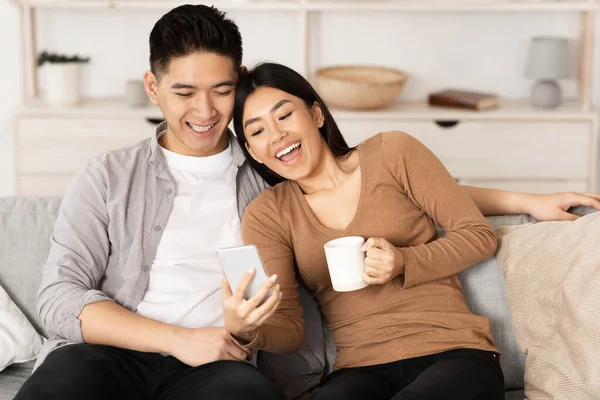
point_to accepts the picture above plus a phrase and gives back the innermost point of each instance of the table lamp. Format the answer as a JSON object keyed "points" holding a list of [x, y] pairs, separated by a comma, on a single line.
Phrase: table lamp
{"points": [[548, 60]]}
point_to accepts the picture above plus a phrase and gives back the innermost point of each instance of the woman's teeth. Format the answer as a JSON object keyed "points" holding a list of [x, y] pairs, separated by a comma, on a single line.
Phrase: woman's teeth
{"points": [[200, 129], [287, 150]]}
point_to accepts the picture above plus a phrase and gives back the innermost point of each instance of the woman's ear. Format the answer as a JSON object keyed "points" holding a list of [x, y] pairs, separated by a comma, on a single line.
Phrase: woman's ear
{"points": [[252, 153], [317, 113], [151, 86]]}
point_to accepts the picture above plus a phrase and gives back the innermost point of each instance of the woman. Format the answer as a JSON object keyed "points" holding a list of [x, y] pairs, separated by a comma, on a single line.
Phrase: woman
{"points": [[409, 334]]}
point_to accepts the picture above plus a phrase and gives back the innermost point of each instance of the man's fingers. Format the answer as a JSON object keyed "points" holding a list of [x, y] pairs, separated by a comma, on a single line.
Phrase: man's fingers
{"points": [[248, 354], [234, 349], [237, 352]]}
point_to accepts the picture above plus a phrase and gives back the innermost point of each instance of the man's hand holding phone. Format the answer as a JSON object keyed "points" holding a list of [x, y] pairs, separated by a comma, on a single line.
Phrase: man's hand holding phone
{"points": [[243, 317]]}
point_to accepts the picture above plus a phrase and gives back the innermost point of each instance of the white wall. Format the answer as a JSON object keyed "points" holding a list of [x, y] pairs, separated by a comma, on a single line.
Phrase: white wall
{"points": [[484, 51], [10, 90]]}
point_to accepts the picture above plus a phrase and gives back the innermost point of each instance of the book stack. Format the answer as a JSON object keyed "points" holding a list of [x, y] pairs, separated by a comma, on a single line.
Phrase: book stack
{"points": [[471, 100]]}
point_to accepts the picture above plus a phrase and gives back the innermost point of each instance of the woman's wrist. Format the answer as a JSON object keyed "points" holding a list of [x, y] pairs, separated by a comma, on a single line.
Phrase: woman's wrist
{"points": [[520, 203]]}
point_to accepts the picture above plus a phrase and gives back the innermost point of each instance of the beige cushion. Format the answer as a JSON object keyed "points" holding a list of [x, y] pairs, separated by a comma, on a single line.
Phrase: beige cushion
{"points": [[552, 272]]}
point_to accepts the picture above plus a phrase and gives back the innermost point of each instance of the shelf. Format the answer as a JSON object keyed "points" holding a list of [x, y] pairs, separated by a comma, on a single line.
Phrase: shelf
{"points": [[403, 110], [507, 110], [337, 5]]}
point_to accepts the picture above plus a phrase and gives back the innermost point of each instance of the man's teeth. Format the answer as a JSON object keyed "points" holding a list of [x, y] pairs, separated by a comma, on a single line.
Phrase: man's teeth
{"points": [[199, 128], [287, 150]]}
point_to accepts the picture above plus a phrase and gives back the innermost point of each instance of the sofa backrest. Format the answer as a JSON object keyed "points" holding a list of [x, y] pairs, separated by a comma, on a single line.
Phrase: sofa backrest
{"points": [[26, 225]]}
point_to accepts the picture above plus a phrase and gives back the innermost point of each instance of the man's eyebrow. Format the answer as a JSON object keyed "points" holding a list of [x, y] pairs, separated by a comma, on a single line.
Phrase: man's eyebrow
{"points": [[179, 85], [275, 108]]}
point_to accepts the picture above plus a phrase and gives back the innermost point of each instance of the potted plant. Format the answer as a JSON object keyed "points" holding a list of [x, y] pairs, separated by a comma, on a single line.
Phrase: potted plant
{"points": [[62, 75]]}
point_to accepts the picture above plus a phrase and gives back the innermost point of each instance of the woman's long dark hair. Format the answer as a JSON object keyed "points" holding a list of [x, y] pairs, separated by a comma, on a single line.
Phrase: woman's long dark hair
{"points": [[280, 77]]}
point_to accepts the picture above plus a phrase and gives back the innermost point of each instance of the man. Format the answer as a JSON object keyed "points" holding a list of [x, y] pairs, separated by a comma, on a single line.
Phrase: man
{"points": [[131, 288]]}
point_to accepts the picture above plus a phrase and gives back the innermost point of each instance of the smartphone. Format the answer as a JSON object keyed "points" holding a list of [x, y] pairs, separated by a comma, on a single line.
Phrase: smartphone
{"points": [[236, 261]]}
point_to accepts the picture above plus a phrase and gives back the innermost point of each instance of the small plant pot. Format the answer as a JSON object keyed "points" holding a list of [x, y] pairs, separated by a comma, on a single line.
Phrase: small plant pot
{"points": [[63, 83]]}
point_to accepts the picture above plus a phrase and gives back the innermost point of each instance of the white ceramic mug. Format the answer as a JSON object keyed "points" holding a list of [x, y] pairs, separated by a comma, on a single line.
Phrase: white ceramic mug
{"points": [[346, 263]]}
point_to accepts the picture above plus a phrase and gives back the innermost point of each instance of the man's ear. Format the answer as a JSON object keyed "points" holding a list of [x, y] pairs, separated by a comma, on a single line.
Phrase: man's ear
{"points": [[317, 113], [252, 153], [151, 86], [244, 70]]}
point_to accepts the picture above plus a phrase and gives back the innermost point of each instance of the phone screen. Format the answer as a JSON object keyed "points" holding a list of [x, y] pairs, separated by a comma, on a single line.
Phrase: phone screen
{"points": [[236, 261]]}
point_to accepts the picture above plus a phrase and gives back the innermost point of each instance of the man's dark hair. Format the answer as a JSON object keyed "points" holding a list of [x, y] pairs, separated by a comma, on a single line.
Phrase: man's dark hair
{"points": [[280, 77], [189, 29]]}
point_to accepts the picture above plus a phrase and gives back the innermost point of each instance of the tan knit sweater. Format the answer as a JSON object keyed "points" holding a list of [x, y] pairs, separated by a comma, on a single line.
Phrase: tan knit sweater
{"points": [[404, 189]]}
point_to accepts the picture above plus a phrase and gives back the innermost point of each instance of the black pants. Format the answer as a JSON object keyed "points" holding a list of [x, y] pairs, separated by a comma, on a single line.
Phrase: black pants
{"points": [[463, 374], [90, 372]]}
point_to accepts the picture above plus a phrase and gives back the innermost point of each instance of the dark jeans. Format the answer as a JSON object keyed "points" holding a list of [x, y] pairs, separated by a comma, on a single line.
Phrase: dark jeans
{"points": [[463, 374], [89, 372]]}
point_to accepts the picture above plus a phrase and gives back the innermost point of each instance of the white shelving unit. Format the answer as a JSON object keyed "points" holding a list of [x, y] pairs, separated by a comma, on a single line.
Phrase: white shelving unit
{"points": [[575, 119], [305, 8]]}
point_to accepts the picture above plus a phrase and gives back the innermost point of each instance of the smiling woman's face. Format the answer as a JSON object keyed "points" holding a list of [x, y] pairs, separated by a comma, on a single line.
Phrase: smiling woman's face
{"points": [[283, 133]]}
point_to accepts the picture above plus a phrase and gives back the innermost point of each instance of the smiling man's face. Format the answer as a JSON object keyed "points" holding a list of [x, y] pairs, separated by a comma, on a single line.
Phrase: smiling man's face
{"points": [[196, 96]]}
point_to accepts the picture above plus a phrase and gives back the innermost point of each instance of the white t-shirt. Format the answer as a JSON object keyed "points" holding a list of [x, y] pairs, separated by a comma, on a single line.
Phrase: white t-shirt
{"points": [[185, 279]]}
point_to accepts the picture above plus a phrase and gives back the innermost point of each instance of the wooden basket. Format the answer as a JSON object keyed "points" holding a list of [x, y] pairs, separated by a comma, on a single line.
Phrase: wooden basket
{"points": [[360, 87]]}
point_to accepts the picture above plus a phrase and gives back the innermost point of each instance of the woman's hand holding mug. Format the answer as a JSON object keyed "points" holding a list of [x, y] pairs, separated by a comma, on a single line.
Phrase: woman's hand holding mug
{"points": [[383, 261]]}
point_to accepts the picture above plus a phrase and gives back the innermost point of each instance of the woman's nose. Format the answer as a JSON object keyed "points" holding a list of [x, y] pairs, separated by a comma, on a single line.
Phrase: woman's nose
{"points": [[277, 134]]}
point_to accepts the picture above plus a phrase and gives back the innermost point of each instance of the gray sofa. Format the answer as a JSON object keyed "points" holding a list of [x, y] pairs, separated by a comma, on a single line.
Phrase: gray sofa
{"points": [[26, 225]]}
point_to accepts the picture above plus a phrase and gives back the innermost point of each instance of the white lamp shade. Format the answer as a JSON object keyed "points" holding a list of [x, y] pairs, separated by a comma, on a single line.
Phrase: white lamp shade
{"points": [[548, 58]]}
